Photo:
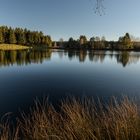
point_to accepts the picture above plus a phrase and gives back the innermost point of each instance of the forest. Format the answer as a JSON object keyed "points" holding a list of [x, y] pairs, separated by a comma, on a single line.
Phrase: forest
{"points": [[21, 36], [25, 37], [100, 43]]}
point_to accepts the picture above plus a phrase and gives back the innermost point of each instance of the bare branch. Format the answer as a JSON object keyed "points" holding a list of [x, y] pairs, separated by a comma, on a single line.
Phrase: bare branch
{"points": [[98, 6]]}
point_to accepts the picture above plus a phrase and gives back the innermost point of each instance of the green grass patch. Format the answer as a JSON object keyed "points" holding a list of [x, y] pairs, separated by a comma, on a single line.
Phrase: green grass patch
{"points": [[12, 47]]}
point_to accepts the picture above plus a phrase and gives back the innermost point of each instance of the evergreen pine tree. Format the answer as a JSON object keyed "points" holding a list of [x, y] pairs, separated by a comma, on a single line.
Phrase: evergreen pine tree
{"points": [[12, 37], [1, 36]]}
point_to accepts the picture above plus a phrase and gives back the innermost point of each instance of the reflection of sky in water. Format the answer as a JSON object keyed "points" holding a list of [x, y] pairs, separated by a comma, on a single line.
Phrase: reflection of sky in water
{"points": [[63, 73]]}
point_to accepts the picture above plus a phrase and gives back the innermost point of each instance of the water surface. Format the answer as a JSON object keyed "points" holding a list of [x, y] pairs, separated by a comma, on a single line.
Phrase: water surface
{"points": [[27, 74]]}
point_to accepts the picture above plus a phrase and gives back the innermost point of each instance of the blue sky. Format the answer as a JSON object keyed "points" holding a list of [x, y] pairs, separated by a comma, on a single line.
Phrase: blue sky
{"points": [[72, 18]]}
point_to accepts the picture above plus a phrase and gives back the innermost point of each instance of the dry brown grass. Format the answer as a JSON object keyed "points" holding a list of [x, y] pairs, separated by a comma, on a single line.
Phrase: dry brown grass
{"points": [[12, 47], [43, 122], [7, 130], [81, 120]]}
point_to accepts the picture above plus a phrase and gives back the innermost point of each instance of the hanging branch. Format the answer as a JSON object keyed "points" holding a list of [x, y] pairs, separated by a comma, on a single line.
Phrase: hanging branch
{"points": [[98, 6]]}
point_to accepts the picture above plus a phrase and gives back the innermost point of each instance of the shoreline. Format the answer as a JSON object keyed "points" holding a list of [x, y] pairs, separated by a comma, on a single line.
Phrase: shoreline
{"points": [[87, 49], [10, 47]]}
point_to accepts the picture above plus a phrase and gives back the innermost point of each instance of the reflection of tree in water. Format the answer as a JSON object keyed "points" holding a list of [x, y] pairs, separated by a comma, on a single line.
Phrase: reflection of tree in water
{"points": [[26, 57], [123, 58], [97, 56], [91, 56], [81, 55], [111, 54], [13, 56], [71, 54], [126, 58], [61, 53], [23, 57]]}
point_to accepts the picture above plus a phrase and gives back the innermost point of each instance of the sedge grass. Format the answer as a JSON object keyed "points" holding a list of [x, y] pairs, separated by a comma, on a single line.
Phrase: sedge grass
{"points": [[80, 120]]}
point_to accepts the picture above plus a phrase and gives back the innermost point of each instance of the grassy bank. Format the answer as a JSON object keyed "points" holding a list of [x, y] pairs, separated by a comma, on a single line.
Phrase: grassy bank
{"points": [[78, 120], [12, 47]]}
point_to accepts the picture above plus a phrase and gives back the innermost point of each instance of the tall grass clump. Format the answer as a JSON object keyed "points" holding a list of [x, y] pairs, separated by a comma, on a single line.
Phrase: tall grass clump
{"points": [[83, 120], [42, 123], [78, 119], [7, 130]]}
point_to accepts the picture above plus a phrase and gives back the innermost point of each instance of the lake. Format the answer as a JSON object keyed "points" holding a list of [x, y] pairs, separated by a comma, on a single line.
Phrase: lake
{"points": [[25, 75]]}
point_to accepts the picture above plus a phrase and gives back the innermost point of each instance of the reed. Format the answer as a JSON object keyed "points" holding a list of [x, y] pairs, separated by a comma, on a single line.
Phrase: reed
{"points": [[7, 130], [80, 120]]}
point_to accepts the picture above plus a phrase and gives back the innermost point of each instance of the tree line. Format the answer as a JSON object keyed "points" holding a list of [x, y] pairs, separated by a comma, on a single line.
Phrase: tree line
{"points": [[21, 36], [124, 43], [27, 37]]}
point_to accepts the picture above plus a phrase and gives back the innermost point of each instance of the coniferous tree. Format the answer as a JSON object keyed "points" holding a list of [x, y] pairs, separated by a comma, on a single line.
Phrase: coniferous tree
{"points": [[31, 38], [20, 37], [1, 36], [92, 42], [23, 37], [5, 32], [12, 37], [49, 41]]}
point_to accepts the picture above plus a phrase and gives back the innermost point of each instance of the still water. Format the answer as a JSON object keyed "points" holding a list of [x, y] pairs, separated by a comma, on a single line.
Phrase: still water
{"points": [[25, 75]]}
